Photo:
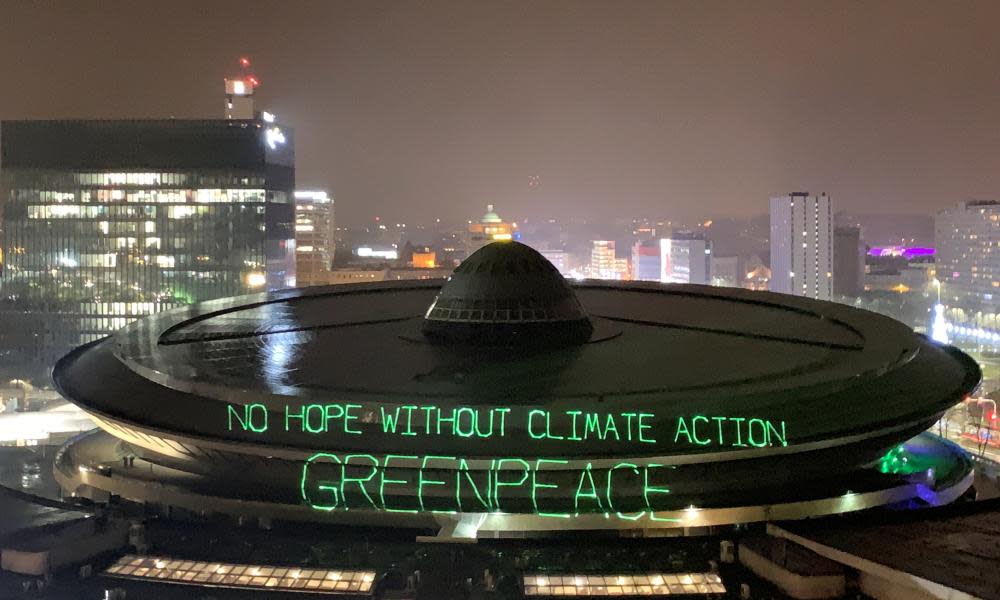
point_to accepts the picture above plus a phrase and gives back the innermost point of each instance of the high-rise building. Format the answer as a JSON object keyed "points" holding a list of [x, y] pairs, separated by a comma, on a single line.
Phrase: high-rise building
{"points": [[646, 261], [802, 245], [848, 261], [108, 221], [314, 237], [604, 264], [685, 258], [968, 255]]}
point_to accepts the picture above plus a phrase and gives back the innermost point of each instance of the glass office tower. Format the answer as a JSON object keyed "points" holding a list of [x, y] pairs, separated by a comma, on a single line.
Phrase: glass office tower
{"points": [[107, 221]]}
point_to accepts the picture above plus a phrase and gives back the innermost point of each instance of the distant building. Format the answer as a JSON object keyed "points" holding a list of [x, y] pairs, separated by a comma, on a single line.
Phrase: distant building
{"points": [[417, 273], [424, 259], [848, 261], [685, 258], [604, 263], [726, 271], [968, 255], [355, 275], [490, 228], [646, 261], [314, 236], [560, 259], [758, 274], [372, 255], [108, 221], [913, 277], [645, 230], [384, 273], [802, 245]]}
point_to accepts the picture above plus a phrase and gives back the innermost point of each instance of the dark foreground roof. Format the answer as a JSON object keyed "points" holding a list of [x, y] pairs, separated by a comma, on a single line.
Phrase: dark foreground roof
{"points": [[957, 546]]}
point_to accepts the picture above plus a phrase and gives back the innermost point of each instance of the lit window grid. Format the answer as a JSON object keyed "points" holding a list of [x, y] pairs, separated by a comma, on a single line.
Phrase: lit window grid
{"points": [[68, 251], [275, 578], [810, 268], [314, 239], [646, 584], [968, 260]]}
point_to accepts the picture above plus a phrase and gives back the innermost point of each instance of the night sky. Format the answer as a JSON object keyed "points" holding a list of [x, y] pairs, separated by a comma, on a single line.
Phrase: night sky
{"points": [[414, 110]]}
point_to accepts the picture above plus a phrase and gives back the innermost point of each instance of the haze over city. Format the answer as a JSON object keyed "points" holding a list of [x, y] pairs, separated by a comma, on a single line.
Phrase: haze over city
{"points": [[684, 110], [499, 300]]}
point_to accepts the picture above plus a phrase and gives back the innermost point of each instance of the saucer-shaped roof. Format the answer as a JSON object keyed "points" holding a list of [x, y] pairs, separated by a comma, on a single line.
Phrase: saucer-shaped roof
{"points": [[506, 292], [839, 377]]}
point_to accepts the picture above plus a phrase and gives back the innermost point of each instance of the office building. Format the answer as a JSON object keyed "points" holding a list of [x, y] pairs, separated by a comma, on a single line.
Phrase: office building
{"points": [[604, 263], [968, 255], [802, 245], [646, 261], [488, 229], [108, 221], [314, 237], [560, 259], [848, 262], [685, 258]]}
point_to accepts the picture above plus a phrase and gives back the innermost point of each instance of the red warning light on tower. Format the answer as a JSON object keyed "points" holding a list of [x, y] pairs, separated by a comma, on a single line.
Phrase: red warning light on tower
{"points": [[239, 92]]}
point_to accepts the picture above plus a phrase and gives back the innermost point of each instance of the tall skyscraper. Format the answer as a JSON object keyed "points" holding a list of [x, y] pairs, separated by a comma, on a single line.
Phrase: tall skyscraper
{"points": [[108, 221], [685, 258], [802, 245], [314, 237], [968, 255], [848, 261]]}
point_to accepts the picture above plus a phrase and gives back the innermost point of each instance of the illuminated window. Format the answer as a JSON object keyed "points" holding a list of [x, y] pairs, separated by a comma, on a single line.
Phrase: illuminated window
{"points": [[648, 584], [180, 212], [242, 575]]}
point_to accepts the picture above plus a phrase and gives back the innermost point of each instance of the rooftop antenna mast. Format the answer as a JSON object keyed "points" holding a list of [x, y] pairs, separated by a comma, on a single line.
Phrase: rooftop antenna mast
{"points": [[239, 92]]}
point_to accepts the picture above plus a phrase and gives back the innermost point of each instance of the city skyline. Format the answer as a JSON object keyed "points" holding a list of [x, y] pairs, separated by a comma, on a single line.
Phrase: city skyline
{"points": [[686, 109], [652, 297]]}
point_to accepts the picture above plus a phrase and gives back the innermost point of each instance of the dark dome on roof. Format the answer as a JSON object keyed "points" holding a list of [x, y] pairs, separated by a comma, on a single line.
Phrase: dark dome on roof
{"points": [[507, 293]]}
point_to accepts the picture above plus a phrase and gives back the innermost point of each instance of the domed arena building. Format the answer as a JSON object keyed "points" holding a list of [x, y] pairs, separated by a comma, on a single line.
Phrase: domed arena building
{"points": [[508, 401]]}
